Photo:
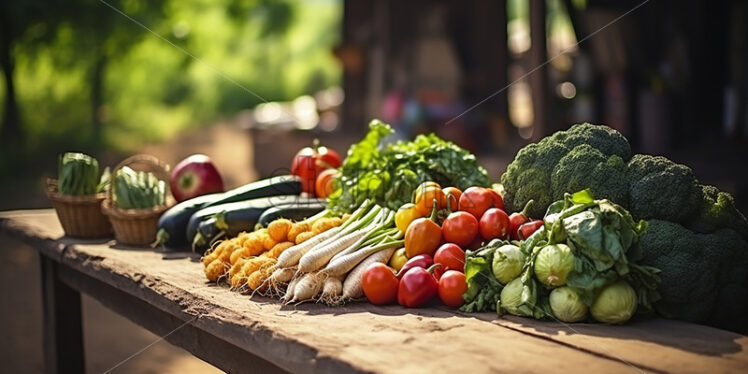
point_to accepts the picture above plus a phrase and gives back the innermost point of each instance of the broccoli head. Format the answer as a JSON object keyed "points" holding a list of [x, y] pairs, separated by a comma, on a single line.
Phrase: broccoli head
{"points": [[529, 175], [717, 209], [704, 276], [587, 167], [660, 188]]}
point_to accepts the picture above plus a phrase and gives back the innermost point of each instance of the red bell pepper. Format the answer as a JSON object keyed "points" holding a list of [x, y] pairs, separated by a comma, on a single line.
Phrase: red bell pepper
{"points": [[421, 261], [529, 228], [518, 219], [417, 287]]}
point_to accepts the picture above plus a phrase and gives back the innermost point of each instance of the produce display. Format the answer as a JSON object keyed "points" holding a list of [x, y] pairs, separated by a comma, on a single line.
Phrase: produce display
{"points": [[138, 189], [579, 229], [78, 175], [696, 235]]}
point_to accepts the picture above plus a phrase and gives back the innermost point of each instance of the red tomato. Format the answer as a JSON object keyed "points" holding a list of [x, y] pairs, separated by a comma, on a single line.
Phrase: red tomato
{"points": [[498, 202], [451, 287], [380, 284], [424, 199], [476, 200], [494, 224], [460, 228], [453, 197], [310, 162], [324, 185], [451, 257]]}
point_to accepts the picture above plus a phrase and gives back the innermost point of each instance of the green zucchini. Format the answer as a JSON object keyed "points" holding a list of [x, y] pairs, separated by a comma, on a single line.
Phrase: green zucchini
{"points": [[273, 186], [294, 212], [173, 223]]}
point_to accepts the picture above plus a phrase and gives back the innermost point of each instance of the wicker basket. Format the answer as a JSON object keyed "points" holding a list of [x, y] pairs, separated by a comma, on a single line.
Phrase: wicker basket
{"points": [[137, 226], [80, 216]]}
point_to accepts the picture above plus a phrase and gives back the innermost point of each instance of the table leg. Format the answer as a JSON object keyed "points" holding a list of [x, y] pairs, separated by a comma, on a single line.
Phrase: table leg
{"points": [[63, 333]]}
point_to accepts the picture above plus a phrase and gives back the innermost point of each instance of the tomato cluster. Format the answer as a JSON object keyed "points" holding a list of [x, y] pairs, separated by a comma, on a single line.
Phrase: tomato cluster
{"points": [[432, 261], [418, 280]]}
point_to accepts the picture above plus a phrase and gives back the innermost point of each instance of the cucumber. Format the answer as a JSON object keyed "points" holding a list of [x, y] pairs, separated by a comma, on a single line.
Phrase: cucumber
{"points": [[294, 212], [273, 186], [173, 223]]}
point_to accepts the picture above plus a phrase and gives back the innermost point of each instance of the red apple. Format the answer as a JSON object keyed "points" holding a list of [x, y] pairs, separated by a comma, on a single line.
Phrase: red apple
{"points": [[194, 176]]}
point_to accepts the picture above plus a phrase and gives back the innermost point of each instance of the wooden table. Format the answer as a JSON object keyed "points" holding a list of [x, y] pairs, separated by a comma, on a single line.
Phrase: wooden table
{"points": [[171, 298]]}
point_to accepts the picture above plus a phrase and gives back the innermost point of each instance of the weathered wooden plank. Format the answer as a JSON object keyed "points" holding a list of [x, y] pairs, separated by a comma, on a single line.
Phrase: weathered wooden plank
{"points": [[651, 344], [173, 329], [365, 338]]}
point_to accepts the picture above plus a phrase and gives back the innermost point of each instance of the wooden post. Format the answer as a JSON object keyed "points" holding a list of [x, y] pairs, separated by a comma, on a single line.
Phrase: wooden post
{"points": [[539, 78], [63, 333]]}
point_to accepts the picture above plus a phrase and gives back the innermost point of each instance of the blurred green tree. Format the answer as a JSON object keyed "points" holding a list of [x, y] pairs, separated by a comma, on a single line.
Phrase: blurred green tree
{"points": [[91, 68]]}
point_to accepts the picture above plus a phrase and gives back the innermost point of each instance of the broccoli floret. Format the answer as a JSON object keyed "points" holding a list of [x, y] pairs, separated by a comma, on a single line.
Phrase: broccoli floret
{"points": [[662, 189], [587, 167], [529, 176], [718, 209], [603, 138], [704, 276]]}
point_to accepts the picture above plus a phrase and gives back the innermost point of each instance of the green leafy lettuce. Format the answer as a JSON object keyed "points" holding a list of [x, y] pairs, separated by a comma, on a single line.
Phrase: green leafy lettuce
{"points": [[389, 174]]}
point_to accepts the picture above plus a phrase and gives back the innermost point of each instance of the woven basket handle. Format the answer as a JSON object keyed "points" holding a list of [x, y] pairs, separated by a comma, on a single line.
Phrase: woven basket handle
{"points": [[160, 168]]}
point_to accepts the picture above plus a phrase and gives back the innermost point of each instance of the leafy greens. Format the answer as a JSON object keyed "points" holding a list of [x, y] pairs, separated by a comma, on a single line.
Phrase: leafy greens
{"points": [[389, 174]]}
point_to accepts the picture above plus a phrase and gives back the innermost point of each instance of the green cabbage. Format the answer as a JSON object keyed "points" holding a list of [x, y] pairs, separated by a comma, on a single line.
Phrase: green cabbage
{"points": [[615, 304], [553, 265], [508, 261], [566, 305]]}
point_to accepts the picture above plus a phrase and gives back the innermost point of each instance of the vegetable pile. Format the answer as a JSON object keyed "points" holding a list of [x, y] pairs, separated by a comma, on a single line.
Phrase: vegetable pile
{"points": [[388, 174], [704, 276], [383, 228], [583, 258]]}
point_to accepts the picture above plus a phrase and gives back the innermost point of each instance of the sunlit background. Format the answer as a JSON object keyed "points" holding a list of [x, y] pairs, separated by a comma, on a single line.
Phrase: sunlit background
{"points": [[113, 78]]}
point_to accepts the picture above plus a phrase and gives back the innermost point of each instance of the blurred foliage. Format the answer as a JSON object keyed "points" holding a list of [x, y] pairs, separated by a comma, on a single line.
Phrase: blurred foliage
{"points": [[80, 66]]}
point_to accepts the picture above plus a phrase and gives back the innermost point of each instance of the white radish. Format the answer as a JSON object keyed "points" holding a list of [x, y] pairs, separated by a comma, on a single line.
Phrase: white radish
{"points": [[291, 256], [320, 255], [331, 291], [289, 291], [342, 265], [280, 277], [352, 284], [308, 287]]}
